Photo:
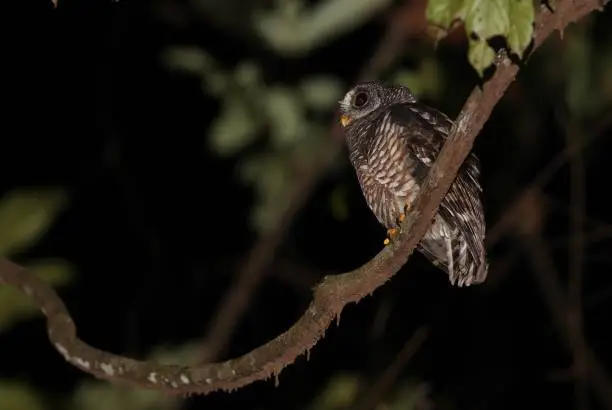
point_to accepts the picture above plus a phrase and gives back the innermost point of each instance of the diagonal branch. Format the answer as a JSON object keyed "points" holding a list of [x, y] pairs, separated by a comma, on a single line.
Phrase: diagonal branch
{"points": [[236, 301], [375, 393], [330, 296]]}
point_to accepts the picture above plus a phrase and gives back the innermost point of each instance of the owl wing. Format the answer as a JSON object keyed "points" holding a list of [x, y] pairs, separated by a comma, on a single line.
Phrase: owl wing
{"points": [[424, 131]]}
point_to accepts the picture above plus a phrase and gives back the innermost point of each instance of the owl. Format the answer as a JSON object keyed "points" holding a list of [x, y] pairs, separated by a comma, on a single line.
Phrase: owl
{"points": [[393, 140]]}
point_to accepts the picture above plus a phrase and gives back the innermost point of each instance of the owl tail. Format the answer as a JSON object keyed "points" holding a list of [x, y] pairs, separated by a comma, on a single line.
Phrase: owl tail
{"points": [[453, 256]]}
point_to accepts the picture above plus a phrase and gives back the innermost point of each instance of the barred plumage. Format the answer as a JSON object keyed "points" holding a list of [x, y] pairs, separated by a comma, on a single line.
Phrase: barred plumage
{"points": [[393, 140]]}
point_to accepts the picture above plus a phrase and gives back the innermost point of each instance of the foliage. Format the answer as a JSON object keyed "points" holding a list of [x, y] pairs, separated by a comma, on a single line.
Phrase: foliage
{"points": [[16, 395], [275, 129], [25, 215], [294, 30], [341, 391], [289, 118], [483, 20]]}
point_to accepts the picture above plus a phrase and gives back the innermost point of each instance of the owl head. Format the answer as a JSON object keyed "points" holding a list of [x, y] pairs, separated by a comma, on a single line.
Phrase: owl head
{"points": [[368, 99]]}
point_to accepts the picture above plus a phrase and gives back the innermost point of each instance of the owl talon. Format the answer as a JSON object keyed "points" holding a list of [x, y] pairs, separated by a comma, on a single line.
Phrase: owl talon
{"points": [[401, 218], [391, 235]]}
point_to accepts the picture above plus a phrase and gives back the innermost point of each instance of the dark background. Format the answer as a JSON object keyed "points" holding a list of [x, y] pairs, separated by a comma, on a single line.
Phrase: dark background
{"points": [[158, 225]]}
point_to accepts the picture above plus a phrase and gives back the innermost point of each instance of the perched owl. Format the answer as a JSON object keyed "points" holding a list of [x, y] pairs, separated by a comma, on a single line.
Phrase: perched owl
{"points": [[393, 140]]}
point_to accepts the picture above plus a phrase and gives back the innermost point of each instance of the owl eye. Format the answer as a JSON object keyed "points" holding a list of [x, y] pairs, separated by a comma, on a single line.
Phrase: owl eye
{"points": [[360, 100]]}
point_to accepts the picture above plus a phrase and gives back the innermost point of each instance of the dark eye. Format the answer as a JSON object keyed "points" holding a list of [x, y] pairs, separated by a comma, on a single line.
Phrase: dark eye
{"points": [[360, 100]]}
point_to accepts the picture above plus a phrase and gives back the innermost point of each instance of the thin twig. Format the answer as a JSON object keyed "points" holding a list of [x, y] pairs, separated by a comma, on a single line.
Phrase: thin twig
{"points": [[236, 300], [331, 295], [592, 133], [378, 390], [406, 22], [577, 201], [515, 210], [564, 316]]}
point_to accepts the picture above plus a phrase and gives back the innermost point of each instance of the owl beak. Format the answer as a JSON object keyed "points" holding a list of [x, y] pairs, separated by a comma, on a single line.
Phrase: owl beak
{"points": [[345, 120]]}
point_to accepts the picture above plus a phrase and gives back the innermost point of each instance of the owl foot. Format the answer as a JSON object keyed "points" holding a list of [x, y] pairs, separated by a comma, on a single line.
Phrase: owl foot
{"points": [[401, 218], [391, 235]]}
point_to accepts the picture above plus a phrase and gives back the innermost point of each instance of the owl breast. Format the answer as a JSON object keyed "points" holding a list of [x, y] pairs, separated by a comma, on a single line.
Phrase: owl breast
{"points": [[392, 149], [387, 182]]}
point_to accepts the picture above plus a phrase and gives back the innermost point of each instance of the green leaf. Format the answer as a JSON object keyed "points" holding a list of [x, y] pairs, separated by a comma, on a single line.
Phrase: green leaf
{"points": [[293, 29], [340, 392], [16, 395], [285, 113], [522, 16], [248, 75], [25, 215], [15, 306], [270, 175], [480, 55], [579, 94], [273, 189], [443, 13], [195, 61], [181, 355], [321, 92], [426, 80], [410, 395], [191, 60], [338, 203], [233, 128], [487, 18], [512, 19], [94, 395]]}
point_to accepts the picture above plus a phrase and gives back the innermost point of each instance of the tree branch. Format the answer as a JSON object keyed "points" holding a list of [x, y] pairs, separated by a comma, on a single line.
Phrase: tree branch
{"points": [[330, 296], [236, 301]]}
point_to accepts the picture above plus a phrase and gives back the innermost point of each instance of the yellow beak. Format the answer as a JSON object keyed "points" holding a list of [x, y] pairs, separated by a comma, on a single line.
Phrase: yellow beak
{"points": [[345, 120]]}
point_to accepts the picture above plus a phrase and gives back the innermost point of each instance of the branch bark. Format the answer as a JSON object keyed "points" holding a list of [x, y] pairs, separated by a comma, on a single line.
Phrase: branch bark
{"points": [[330, 296], [236, 301]]}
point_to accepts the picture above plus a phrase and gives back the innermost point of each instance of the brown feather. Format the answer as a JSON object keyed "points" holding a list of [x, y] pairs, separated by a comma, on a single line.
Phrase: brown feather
{"points": [[392, 149]]}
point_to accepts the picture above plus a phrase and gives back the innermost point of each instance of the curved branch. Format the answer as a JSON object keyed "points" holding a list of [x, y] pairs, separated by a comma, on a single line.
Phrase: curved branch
{"points": [[236, 301], [330, 296]]}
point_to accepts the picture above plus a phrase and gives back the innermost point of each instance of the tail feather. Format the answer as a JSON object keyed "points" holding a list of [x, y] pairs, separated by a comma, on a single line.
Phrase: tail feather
{"points": [[449, 250]]}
